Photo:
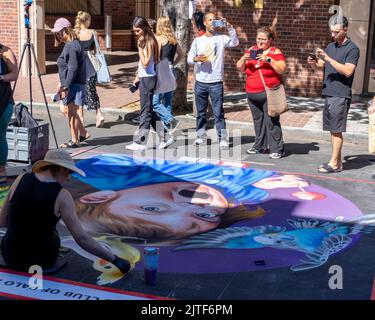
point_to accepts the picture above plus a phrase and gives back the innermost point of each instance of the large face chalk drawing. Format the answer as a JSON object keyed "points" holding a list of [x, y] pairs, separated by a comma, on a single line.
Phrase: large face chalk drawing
{"points": [[208, 218]]}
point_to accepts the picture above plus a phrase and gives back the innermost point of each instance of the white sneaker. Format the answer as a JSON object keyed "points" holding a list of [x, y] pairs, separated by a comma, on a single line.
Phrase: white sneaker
{"points": [[198, 142], [136, 147], [166, 144], [223, 145]]}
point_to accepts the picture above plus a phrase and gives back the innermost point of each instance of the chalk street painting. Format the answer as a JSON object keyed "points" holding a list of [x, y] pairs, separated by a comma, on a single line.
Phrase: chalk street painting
{"points": [[208, 218]]}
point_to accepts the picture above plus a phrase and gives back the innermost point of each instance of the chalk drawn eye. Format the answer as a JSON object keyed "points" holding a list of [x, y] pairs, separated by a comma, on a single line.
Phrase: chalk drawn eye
{"points": [[151, 208], [207, 215]]}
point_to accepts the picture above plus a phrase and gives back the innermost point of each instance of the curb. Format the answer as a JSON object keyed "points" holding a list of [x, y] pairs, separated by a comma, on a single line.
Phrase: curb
{"points": [[288, 132]]}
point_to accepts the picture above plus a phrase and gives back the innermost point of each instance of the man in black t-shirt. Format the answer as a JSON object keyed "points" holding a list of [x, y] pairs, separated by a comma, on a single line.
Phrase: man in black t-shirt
{"points": [[339, 61]]}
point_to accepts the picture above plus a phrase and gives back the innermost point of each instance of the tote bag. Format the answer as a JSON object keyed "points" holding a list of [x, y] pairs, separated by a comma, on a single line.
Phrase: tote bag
{"points": [[166, 82], [276, 99], [103, 74], [94, 61]]}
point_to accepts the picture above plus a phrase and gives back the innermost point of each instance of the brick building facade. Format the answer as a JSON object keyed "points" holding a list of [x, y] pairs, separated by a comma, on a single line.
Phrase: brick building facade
{"points": [[302, 26], [9, 29], [300, 29]]}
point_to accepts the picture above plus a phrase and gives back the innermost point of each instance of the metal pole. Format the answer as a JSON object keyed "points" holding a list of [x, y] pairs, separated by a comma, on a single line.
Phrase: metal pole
{"points": [[30, 69], [108, 32]]}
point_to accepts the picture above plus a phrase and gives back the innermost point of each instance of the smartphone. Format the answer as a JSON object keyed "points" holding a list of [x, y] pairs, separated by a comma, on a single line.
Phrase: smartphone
{"points": [[134, 87], [254, 53], [313, 56], [218, 23]]}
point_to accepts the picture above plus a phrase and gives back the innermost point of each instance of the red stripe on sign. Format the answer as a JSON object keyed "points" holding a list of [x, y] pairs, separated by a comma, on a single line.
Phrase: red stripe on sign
{"points": [[91, 286], [14, 296]]}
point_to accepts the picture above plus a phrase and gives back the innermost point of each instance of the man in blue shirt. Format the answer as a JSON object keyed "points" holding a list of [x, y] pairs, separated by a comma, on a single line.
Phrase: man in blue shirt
{"points": [[339, 61]]}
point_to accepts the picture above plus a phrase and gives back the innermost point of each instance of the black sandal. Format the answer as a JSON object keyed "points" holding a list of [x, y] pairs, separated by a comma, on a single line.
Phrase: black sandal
{"points": [[83, 138], [69, 144], [328, 169]]}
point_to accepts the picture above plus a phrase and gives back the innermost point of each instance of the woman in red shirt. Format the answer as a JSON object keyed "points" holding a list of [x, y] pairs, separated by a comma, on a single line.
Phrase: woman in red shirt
{"points": [[271, 62]]}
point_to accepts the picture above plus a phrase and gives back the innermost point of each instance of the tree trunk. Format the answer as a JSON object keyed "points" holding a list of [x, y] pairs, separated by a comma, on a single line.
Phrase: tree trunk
{"points": [[178, 12]]}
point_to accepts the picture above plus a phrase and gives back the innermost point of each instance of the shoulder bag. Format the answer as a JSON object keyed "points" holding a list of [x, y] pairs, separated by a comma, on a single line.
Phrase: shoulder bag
{"points": [[276, 98], [103, 74], [166, 81]]}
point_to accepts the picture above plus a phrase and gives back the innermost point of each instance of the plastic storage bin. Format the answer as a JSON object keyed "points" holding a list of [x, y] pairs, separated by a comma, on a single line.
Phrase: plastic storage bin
{"points": [[28, 144]]}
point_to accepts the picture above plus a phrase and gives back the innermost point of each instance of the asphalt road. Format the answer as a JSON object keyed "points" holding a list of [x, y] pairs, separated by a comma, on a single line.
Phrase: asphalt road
{"points": [[302, 158]]}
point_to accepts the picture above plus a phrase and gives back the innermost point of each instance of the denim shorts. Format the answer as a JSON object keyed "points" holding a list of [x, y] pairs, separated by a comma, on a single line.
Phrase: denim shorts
{"points": [[76, 95]]}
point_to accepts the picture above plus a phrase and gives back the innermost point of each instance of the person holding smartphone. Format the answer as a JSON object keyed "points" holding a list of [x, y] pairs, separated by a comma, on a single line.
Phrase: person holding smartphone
{"points": [[207, 54], [339, 61], [149, 56], [269, 60]]}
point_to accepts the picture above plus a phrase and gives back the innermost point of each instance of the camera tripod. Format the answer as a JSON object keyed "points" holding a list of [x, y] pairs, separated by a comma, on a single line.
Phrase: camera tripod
{"points": [[31, 54]]}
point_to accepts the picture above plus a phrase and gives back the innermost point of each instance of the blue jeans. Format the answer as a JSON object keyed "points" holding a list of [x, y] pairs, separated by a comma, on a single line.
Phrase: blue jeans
{"points": [[216, 92], [4, 121], [162, 105]]}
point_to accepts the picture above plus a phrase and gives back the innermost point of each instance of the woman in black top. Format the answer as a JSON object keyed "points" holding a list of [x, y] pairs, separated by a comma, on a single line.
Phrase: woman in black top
{"points": [[35, 203], [8, 73], [86, 38], [72, 76], [162, 103]]}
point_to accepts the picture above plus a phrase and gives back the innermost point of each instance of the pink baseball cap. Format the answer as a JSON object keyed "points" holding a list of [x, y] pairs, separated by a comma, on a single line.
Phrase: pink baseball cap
{"points": [[60, 24]]}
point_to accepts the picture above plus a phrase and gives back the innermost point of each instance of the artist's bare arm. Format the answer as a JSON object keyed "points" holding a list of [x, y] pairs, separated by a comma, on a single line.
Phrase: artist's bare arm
{"points": [[65, 207]]}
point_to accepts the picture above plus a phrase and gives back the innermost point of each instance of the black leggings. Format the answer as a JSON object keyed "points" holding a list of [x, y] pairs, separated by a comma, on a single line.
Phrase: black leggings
{"points": [[268, 134]]}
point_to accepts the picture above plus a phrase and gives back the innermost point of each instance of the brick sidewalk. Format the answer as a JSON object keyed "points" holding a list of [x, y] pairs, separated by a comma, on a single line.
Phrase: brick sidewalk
{"points": [[304, 113], [122, 66]]}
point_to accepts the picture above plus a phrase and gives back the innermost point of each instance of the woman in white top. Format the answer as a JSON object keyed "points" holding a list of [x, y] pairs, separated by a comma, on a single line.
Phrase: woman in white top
{"points": [[148, 51]]}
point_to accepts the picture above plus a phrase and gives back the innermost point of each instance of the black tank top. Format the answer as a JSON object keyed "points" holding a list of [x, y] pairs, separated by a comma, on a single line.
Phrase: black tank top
{"points": [[168, 51], [6, 95], [88, 45], [31, 237]]}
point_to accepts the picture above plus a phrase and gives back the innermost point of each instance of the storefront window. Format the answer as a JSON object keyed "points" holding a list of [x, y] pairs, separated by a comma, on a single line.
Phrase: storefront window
{"points": [[94, 7], [146, 8]]}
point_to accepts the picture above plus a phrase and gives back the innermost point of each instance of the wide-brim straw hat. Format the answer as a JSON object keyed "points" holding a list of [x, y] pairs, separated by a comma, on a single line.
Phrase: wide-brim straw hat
{"points": [[58, 158]]}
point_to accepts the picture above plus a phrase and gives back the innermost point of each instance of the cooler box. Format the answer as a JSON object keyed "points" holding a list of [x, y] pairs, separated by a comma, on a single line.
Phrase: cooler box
{"points": [[28, 144]]}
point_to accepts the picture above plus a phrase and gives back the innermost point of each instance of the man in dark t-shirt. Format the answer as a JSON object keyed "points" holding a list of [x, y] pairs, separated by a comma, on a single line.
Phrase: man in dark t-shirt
{"points": [[339, 62]]}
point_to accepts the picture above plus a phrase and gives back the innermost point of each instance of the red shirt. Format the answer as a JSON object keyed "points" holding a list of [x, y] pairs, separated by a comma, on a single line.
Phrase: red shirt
{"points": [[201, 33], [271, 77]]}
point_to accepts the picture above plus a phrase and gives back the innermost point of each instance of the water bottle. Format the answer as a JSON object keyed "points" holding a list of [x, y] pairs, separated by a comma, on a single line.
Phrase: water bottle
{"points": [[151, 261]]}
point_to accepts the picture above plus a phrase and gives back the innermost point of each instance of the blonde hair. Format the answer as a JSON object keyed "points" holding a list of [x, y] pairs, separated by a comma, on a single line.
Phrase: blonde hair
{"points": [[97, 220], [59, 35], [83, 18], [164, 28]]}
